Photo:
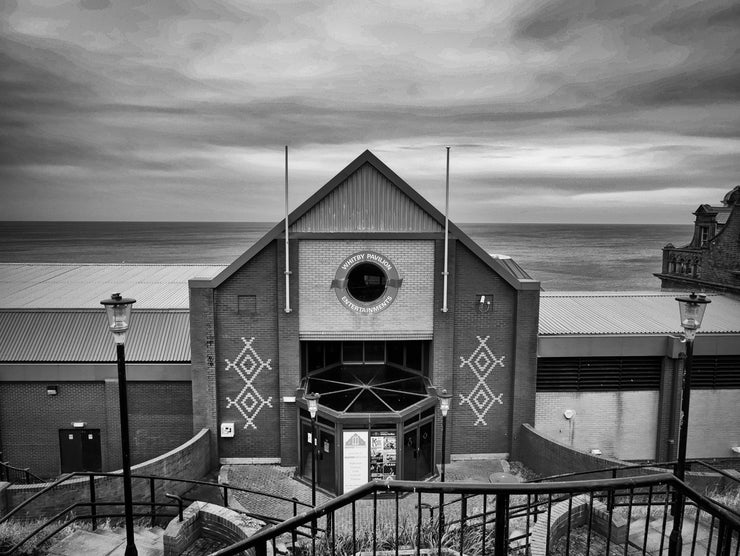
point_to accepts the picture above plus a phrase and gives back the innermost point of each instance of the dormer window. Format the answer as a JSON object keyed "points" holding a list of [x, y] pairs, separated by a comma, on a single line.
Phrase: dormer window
{"points": [[703, 236]]}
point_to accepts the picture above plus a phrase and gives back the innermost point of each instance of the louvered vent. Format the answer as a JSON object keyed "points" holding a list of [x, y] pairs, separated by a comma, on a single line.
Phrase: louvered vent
{"points": [[716, 371], [597, 374]]}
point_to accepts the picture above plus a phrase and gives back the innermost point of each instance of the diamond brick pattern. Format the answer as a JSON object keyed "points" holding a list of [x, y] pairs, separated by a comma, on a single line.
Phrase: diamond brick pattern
{"points": [[248, 365], [481, 362]]}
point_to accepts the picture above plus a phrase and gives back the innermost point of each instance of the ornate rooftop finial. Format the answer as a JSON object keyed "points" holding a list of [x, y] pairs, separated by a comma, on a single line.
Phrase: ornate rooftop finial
{"points": [[733, 197]]}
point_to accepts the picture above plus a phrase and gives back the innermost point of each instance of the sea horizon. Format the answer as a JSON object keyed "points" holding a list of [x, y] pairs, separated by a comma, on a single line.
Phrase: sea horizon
{"points": [[563, 257]]}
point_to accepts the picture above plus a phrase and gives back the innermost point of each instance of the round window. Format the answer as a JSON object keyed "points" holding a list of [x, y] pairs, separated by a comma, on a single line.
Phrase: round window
{"points": [[366, 282]]}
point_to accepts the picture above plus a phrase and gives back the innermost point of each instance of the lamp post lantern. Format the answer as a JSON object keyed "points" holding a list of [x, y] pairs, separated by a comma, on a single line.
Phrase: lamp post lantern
{"points": [[118, 310], [691, 309]]}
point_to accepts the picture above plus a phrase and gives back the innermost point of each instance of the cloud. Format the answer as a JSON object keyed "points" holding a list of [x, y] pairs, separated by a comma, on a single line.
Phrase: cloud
{"points": [[182, 109]]}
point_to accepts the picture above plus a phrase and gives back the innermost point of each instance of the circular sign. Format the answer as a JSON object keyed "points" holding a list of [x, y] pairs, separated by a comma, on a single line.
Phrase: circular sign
{"points": [[366, 282]]}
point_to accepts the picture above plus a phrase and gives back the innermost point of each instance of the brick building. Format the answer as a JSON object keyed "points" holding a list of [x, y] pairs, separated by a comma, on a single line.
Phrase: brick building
{"points": [[711, 261], [368, 323]]}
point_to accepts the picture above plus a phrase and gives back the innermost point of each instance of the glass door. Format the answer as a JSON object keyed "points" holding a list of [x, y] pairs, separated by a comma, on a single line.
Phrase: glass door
{"points": [[326, 464]]}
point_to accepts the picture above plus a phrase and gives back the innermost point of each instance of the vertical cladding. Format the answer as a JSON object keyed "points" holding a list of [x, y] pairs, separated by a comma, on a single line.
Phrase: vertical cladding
{"points": [[411, 311], [246, 354], [32, 419], [484, 348], [366, 201], [620, 424]]}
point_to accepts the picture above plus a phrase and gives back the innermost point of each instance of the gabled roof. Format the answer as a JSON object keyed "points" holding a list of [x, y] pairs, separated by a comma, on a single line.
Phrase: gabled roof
{"points": [[367, 157]]}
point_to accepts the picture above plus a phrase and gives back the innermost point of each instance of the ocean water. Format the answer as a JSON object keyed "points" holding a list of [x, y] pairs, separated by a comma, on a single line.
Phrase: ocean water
{"points": [[564, 257]]}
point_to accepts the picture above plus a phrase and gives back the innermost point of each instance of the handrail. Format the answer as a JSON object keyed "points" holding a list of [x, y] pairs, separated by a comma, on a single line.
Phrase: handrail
{"points": [[93, 504], [377, 486], [659, 464], [26, 471]]}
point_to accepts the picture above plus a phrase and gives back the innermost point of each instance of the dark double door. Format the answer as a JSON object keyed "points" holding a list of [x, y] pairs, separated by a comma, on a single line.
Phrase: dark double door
{"points": [[418, 451], [79, 450], [325, 446]]}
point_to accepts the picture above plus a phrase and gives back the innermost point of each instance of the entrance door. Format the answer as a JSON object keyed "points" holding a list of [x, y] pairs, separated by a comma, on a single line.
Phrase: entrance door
{"points": [[410, 453], [80, 450], [326, 465], [418, 454]]}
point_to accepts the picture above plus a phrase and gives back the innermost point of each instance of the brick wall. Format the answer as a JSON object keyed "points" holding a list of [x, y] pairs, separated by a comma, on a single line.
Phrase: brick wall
{"points": [[483, 425], [621, 424], [546, 456], [720, 261], [157, 427], [30, 437], [247, 342], [203, 365], [32, 419], [188, 461], [321, 311]]}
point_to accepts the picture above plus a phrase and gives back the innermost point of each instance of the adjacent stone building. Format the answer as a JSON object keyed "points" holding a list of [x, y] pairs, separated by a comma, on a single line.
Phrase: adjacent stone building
{"points": [[711, 261]]}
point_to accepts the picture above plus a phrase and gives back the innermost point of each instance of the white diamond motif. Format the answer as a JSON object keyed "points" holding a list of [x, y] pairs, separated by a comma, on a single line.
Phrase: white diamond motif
{"points": [[249, 402], [482, 361]]}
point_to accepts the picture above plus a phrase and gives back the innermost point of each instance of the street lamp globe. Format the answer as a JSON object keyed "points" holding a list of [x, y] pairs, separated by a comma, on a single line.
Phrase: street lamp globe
{"points": [[444, 402], [692, 310], [313, 403], [118, 311]]}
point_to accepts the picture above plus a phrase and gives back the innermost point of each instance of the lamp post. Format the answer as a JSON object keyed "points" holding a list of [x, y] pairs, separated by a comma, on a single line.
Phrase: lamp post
{"points": [[313, 408], [312, 400], [691, 310], [118, 310], [444, 407]]}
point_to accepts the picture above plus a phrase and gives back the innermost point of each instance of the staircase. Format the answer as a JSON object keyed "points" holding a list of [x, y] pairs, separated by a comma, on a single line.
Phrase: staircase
{"points": [[105, 542]]}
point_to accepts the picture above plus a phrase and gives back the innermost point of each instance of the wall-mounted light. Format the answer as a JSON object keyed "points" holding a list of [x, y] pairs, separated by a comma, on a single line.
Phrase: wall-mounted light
{"points": [[78, 424], [595, 452], [52, 390], [484, 302], [569, 414]]}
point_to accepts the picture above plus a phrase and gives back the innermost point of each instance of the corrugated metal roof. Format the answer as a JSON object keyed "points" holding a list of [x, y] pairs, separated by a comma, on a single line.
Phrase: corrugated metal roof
{"points": [[82, 335], [572, 313], [366, 201], [82, 286]]}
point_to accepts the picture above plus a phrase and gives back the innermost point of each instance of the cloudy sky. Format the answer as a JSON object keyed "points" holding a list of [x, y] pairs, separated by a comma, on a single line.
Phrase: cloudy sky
{"points": [[557, 110]]}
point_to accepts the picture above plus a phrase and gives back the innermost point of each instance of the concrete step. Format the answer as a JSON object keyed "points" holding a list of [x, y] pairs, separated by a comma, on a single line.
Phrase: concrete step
{"points": [[106, 542]]}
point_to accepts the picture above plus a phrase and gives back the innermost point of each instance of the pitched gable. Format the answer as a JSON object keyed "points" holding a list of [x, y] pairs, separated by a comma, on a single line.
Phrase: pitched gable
{"points": [[366, 201]]}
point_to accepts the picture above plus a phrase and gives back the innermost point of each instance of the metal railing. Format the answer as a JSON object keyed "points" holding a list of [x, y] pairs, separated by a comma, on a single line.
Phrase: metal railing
{"points": [[156, 505], [383, 518], [18, 475]]}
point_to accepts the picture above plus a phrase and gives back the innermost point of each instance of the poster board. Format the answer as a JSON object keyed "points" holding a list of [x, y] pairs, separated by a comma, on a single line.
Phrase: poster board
{"points": [[355, 458], [383, 455]]}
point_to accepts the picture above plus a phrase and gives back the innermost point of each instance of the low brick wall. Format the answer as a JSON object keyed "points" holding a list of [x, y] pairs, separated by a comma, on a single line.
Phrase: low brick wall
{"points": [[188, 461], [546, 456], [202, 519], [574, 513]]}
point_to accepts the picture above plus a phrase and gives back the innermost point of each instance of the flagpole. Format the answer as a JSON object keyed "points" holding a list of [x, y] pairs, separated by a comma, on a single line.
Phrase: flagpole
{"points": [[447, 225], [287, 245]]}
